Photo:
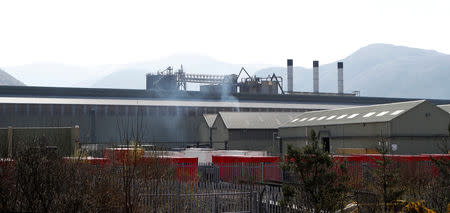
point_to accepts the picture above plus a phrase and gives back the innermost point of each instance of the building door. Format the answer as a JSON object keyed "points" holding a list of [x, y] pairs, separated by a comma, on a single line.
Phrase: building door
{"points": [[326, 144]]}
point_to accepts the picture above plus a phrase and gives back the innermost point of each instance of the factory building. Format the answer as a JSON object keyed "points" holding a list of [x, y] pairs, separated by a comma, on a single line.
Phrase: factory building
{"points": [[165, 112], [445, 107], [107, 120], [205, 129], [249, 130], [413, 127]]}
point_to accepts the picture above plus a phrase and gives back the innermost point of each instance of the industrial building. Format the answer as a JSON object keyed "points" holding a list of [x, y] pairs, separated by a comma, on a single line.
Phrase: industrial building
{"points": [[164, 112], [205, 129], [249, 130], [106, 120], [413, 127], [445, 107]]}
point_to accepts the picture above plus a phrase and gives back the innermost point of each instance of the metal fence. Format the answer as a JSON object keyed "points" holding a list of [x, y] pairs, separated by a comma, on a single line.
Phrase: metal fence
{"points": [[205, 202], [272, 172], [236, 172], [182, 196]]}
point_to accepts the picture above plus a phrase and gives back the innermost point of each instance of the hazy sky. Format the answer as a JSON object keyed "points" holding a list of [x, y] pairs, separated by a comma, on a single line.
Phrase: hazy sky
{"points": [[112, 32]]}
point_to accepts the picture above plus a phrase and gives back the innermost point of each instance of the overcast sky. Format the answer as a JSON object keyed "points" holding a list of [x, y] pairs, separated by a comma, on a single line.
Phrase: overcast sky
{"points": [[116, 32]]}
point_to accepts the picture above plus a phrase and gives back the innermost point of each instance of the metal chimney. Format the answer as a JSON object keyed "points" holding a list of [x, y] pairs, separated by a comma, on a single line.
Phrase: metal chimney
{"points": [[340, 66], [290, 75], [316, 76]]}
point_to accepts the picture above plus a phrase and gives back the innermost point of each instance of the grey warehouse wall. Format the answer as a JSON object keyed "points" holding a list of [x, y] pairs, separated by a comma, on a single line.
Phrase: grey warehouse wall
{"points": [[109, 123]]}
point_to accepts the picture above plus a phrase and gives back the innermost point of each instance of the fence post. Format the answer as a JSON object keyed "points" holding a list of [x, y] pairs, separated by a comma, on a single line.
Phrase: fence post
{"points": [[10, 137], [254, 202], [75, 134], [241, 176], [215, 204], [262, 172]]}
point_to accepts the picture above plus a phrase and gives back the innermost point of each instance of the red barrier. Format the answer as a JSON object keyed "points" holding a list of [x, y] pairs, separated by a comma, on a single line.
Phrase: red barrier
{"points": [[408, 165], [183, 168], [248, 168], [186, 168], [120, 156]]}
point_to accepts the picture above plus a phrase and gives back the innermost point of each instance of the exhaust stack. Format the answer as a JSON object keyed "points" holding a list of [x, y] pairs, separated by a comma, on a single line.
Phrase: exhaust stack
{"points": [[290, 75], [340, 66], [316, 76]]}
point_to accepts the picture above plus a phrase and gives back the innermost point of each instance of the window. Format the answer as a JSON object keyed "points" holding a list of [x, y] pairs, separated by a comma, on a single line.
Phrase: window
{"points": [[396, 112], [353, 115], [342, 116], [369, 114], [331, 117], [321, 118], [382, 113], [313, 118], [303, 119]]}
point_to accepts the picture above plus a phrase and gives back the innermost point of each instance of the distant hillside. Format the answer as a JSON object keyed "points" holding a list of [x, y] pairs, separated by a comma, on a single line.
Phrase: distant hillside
{"points": [[59, 75], [375, 70], [133, 75], [381, 70], [7, 79]]}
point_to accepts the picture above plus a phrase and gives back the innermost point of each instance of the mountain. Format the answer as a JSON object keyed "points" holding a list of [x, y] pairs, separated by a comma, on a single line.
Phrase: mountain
{"points": [[7, 79], [133, 75], [128, 76], [375, 70], [59, 75], [381, 70]]}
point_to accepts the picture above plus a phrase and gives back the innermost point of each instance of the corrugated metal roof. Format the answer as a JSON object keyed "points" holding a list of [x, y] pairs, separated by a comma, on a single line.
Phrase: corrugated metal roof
{"points": [[365, 114], [445, 107], [256, 120], [210, 118], [162, 102]]}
